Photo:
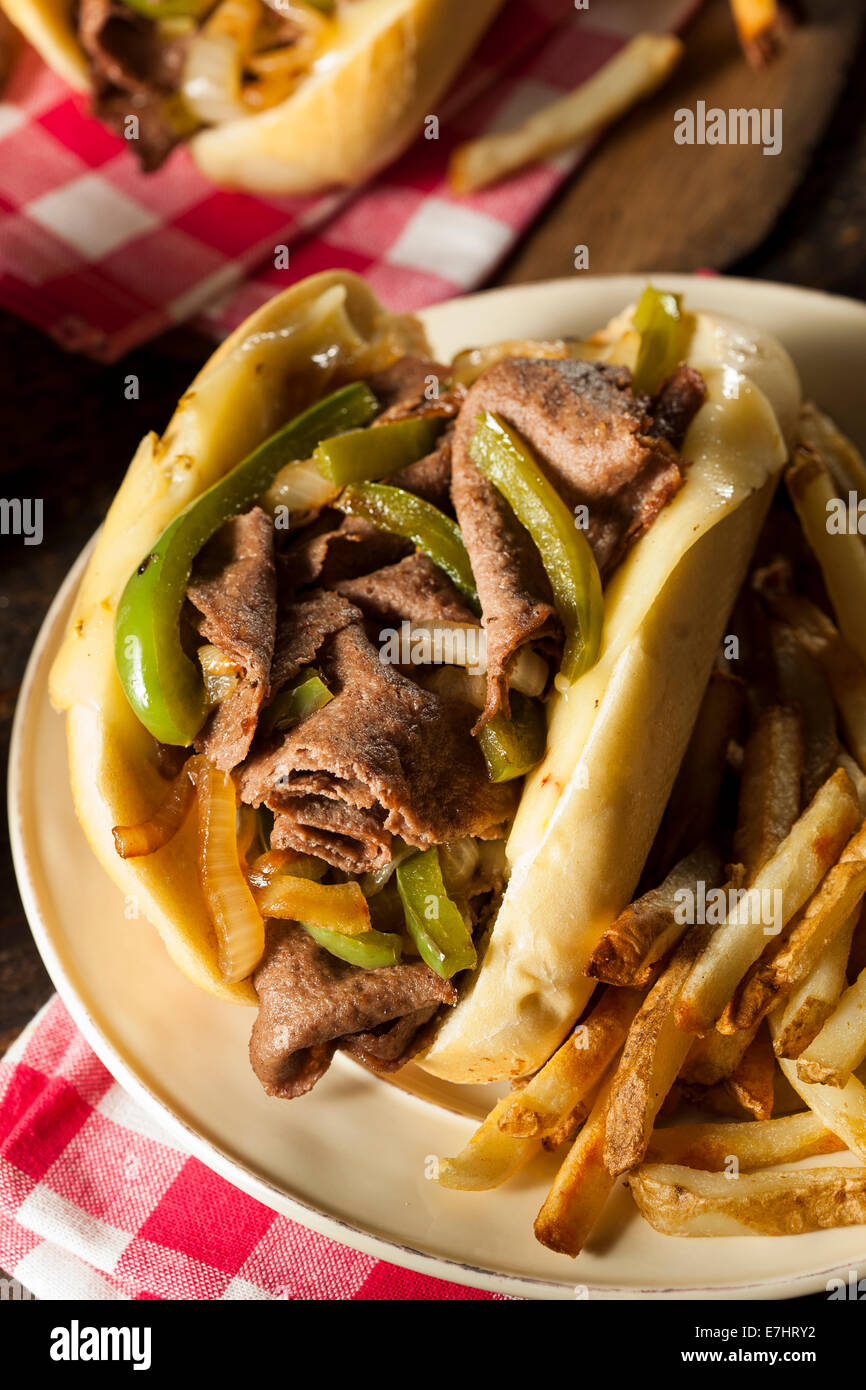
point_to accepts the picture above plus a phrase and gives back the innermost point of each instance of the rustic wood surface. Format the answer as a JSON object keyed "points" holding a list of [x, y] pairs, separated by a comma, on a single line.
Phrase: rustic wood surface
{"points": [[646, 203], [68, 432]]}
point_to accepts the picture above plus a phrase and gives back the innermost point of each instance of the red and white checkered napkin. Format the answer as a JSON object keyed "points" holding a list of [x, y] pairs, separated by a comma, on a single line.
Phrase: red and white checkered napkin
{"points": [[103, 257], [97, 1203]]}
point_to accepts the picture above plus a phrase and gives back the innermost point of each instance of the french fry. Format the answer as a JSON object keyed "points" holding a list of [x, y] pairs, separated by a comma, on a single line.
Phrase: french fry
{"points": [[751, 1084], [769, 787], [693, 802], [749, 1088], [513, 1132], [582, 1187], [842, 457], [682, 1201], [840, 552], [549, 1097], [803, 686], [755, 1144], [842, 1109], [793, 872], [635, 72], [840, 1046], [814, 1000], [772, 979], [715, 1056], [565, 1131], [491, 1157], [761, 26], [654, 1052], [842, 667], [649, 927]]}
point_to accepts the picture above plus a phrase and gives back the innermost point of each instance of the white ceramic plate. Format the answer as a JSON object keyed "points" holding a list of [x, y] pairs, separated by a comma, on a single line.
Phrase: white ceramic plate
{"points": [[349, 1159]]}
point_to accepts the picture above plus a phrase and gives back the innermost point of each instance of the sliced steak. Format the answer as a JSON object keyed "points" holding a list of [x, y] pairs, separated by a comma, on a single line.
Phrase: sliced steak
{"points": [[677, 404], [309, 1000], [383, 758], [414, 589], [127, 51], [516, 601], [233, 587], [430, 477], [595, 441], [334, 549], [404, 389], [350, 837], [133, 69], [394, 1044], [303, 624]]}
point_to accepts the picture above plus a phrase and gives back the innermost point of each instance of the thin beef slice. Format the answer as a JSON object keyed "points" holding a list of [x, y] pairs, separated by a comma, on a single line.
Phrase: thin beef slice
{"points": [[404, 390], [676, 404], [414, 589], [303, 624], [337, 548], [233, 587], [309, 1001], [383, 758]]}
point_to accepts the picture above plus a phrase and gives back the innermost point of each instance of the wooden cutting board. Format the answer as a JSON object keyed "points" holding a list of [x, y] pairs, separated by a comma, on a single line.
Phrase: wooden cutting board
{"points": [[643, 202]]}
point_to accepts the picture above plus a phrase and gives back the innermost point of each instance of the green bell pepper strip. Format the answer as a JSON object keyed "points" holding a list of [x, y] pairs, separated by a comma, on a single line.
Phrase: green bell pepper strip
{"points": [[169, 9], [360, 456], [163, 686], [305, 695], [433, 921], [372, 949], [658, 319], [403, 514], [565, 552], [512, 747]]}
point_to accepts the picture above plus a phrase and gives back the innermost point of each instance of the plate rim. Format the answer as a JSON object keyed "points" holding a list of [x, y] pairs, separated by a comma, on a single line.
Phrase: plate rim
{"points": [[211, 1154]]}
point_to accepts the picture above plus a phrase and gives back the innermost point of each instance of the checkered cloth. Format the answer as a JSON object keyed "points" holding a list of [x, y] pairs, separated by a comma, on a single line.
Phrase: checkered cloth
{"points": [[96, 1202], [103, 257]]}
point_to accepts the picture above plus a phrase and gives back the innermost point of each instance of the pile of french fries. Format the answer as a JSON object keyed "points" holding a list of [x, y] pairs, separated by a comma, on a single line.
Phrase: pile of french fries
{"points": [[752, 1007]]}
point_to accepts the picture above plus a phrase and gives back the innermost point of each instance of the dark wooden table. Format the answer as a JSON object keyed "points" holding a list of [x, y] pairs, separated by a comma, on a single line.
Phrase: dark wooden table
{"points": [[68, 431]]}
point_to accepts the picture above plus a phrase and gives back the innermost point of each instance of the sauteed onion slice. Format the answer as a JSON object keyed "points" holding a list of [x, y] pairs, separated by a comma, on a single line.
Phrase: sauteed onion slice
{"points": [[131, 841], [236, 920], [211, 84]]}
